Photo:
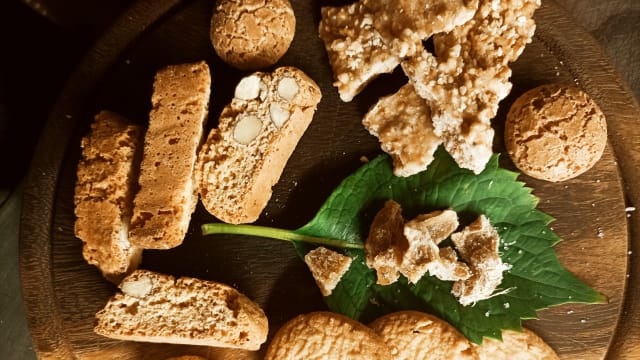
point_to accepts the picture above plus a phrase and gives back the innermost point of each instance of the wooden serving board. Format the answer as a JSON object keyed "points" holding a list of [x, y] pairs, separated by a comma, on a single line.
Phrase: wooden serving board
{"points": [[62, 293]]}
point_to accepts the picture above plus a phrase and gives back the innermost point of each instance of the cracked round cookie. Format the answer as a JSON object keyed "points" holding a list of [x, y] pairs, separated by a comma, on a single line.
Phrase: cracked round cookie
{"points": [[555, 132], [251, 35]]}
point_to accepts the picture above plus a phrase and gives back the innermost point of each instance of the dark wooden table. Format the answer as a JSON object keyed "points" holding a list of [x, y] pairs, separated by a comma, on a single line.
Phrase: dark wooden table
{"points": [[60, 31]]}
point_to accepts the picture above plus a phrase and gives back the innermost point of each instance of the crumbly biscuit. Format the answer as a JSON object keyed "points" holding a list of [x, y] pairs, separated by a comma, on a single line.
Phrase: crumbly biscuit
{"points": [[414, 335], [327, 268], [154, 307], [106, 177], [257, 132], [515, 345], [467, 77], [477, 245], [251, 35], [402, 124], [555, 132], [186, 357], [167, 197], [326, 336]]}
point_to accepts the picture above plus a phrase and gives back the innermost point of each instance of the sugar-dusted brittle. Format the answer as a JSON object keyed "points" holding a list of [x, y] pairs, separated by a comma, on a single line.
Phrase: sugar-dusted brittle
{"points": [[327, 268], [477, 245], [356, 50], [469, 75], [402, 124]]}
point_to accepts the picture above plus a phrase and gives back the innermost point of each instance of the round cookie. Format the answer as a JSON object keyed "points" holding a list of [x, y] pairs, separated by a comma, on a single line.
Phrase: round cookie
{"points": [[252, 35], [525, 345], [416, 335], [555, 132], [325, 335]]}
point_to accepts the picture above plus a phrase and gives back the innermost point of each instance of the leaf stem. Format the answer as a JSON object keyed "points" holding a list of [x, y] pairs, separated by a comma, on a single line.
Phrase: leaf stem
{"points": [[275, 233]]}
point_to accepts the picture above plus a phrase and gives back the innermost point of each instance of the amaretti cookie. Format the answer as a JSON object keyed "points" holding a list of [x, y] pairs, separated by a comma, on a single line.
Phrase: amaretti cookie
{"points": [[257, 132], [251, 35], [516, 345], [555, 132]]}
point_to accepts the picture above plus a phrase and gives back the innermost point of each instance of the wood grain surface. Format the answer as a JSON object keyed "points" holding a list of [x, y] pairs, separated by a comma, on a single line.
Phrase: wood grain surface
{"points": [[62, 293]]}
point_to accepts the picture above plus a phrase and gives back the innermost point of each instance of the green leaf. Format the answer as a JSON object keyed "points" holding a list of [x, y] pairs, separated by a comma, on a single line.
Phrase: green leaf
{"points": [[535, 281]]}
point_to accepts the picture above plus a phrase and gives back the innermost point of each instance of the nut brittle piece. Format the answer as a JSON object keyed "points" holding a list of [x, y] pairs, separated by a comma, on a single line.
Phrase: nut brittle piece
{"points": [[424, 233], [469, 75], [356, 50], [405, 23], [402, 124], [386, 243], [327, 268], [477, 244]]}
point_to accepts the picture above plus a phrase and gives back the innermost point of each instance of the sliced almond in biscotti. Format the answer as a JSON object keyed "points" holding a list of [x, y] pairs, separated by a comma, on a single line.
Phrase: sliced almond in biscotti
{"points": [[414, 335], [257, 132], [167, 196], [103, 199], [154, 307], [326, 336]]}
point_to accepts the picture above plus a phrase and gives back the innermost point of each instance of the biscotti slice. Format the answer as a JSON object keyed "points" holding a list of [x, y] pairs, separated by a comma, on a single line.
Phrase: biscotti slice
{"points": [[167, 196], [324, 335], [103, 199], [414, 335], [257, 132], [158, 308]]}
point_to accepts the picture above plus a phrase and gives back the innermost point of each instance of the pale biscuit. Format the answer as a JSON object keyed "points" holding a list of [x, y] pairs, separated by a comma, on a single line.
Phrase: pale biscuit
{"points": [[251, 35], [413, 335], [515, 345], [326, 336], [555, 132], [402, 124]]}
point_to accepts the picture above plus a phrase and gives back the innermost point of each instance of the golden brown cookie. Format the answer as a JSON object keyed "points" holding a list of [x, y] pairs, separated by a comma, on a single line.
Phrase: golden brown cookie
{"points": [[555, 132], [515, 345], [325, 335], [415, 335], [251, 35]]}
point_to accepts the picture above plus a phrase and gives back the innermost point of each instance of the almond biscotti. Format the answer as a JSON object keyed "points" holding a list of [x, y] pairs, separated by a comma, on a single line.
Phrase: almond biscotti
{"points": [[103, 199], [257, 132], [154, 307], [167, 196]]}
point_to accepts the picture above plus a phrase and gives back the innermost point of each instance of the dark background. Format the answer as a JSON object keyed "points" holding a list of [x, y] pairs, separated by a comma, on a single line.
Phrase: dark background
{"points": [[42, 42]]}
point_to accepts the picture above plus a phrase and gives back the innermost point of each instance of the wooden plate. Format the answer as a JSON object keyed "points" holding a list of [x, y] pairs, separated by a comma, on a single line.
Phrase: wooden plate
{"points": [[62, 293]]}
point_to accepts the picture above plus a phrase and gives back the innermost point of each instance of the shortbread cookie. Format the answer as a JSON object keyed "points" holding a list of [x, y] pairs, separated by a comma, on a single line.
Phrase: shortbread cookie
{"points": [[515, 345], [413, 335], [167, 196], [106, 180], [154, 307], [257, 133], [356, 50], [326, 336], [327, 268], [555, 132], [402, 124], [251, 35], [468, 76]]}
